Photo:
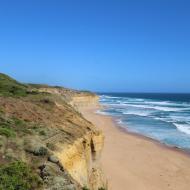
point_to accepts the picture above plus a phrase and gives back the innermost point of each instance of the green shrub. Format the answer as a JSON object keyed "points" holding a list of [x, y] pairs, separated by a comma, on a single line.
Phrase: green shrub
{"points": [[1, 110], [5, 127], [1, 143], [10, 87], [4, 122], [51, 146], [10, 126], [46, 100], [7, 132], [18, 122], [42, 133], [13, 90], [85, 188], [20, 126], [18, 176], [42, 151]]}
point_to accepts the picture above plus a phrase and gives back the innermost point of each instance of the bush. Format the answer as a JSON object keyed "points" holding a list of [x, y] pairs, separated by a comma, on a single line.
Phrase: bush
{"points": [[4, 122], [51, 146], [42, 151], [1, 143], [1, 110], [20, 126], [85, 188], [7, 132], [37, 150], [9, 127], [42, 133], [18, 176], [17, 121], [5, 127]]}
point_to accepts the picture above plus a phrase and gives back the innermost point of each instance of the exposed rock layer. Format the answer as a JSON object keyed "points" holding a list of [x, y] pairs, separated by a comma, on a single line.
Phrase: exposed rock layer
{"points": [[81, 157]]}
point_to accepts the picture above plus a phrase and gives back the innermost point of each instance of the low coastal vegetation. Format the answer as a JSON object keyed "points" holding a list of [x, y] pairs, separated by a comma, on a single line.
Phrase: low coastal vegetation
{"points": [[85, 188], [18, 176], [10, 87]]}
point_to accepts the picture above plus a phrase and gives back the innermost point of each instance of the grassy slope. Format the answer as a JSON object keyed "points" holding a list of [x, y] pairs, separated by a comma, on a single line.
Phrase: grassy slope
{"points": [[10, 87], [26, 114]]}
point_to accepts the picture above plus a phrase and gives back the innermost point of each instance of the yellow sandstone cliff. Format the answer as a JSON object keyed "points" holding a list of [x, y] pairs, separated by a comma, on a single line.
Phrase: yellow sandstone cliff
{"points": [[74, 97], [81, 157]]}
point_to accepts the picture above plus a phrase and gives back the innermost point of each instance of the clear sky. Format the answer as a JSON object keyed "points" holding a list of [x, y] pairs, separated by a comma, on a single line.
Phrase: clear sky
{"points": [[100, 45]]}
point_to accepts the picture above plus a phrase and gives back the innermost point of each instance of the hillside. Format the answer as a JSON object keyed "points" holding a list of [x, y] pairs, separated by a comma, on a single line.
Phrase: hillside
{"points": [[45, 143]]}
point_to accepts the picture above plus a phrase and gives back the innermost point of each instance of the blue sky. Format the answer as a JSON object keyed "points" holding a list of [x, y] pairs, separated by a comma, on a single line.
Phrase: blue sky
{"points": [[100, 45]]}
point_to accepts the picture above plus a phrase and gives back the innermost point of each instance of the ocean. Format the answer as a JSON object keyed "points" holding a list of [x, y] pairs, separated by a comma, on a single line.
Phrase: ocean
{"points": [[163, 117]]}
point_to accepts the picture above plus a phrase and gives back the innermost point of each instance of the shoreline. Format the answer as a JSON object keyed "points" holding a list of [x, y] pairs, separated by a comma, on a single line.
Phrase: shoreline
{"points": [[138, 135], [134, 162], [157, 142]]}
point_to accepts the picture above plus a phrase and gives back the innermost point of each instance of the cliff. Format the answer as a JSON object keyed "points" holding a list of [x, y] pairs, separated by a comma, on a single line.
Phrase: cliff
{"points": [[41, 127], [74, 97]]}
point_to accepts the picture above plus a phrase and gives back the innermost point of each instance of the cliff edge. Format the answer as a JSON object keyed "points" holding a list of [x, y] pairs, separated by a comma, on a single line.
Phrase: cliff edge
{"points": [[45, 141]]}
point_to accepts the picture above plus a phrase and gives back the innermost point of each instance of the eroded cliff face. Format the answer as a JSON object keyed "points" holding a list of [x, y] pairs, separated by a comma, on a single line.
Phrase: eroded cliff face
{"points": [[41, 127], [81, 159], [75, 98], [82, 101]]}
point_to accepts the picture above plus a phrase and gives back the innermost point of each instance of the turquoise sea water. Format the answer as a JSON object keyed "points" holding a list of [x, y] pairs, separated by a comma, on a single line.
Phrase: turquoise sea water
{"points": [[163, 117]]}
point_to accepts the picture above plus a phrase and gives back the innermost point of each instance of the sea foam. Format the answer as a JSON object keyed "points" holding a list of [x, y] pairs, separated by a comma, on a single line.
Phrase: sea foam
{"points": [[165, 119], [185, 128]]}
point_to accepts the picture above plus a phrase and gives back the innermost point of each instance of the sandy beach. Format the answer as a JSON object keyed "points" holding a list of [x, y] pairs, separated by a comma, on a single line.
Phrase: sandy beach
{"points": [[136, 163]]}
